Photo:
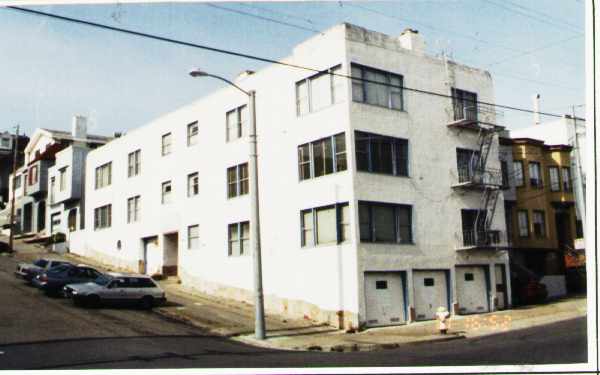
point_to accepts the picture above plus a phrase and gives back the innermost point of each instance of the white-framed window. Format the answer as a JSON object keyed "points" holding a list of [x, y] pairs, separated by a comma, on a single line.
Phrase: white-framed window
{"points": [[566, 179], [5, 143], [62, 185], [192, 133], [237, 180], [102, 217], [133, 209], [238, 235], [324, 225], [385, 222], [236, 123], [377, 87], [381, 154], [554, 178], [103, 175], [323, 156], [523, 222], [518, 173], [193, 239], [17, 181], [535, 177], [319, 91], [192, 185], [134, 163], [167, 139], [539, 224], [166, 192]]}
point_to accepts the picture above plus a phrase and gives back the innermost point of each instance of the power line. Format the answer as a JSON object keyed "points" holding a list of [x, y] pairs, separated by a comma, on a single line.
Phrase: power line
{"points": [[258, 58], [558, 20], [284, 14]]}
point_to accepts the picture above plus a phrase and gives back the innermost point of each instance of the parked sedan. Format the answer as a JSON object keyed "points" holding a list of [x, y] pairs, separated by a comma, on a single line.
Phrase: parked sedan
{"points": [[53, 280], [28, 271], [117, 288]]}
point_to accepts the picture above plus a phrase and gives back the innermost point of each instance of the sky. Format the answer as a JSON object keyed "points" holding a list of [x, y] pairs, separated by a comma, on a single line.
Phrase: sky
{"points": [[51, 70]]}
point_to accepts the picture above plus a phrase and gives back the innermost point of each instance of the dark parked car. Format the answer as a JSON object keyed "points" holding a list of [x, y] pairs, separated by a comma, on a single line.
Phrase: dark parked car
{"points": [[29, 271], [4, 248], [53, 280]]}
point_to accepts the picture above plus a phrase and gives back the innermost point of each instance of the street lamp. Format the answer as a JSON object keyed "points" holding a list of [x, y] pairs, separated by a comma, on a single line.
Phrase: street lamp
{"points": [[259, 325]]}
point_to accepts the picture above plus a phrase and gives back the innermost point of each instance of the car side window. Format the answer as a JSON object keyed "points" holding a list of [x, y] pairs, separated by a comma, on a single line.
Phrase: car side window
{"points": [[73, 272], [146, 283]]}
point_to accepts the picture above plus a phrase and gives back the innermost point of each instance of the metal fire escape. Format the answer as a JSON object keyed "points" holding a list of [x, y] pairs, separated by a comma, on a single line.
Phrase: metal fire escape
{"points": [[474, 174]]}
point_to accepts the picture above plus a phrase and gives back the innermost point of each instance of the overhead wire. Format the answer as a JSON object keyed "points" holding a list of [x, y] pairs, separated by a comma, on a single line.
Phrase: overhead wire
{"points": [[253, 57]]}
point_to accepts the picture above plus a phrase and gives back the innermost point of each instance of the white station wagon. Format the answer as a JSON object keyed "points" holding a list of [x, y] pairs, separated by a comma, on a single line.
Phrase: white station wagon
{"points": [[117, 288]]}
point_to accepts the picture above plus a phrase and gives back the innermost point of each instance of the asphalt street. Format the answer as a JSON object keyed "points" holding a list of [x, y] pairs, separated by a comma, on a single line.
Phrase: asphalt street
{"points": [[38, 332]]}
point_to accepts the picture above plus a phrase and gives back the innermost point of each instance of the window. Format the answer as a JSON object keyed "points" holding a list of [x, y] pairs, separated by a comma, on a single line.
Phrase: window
{"points": [[62, 185], [566, 179], [428, 281], [464, 104], [166, 192], [5, 143], [236, 123], [518, 172], [539, 224], [322, 157], [239, 238], [166, 144], [133, 163], [33, 175], [103, 175], [319, 91], [469, 277], [466, 161], [381, 284], [192, 133], [535, 178], [18, 182], [381, 154], [102, 217], [193, 235], [377, 87], [554, 179], [504, 171], [237, 180], [192, 188], [325, 225], [133, 209], [523, 223], [384, 222]]}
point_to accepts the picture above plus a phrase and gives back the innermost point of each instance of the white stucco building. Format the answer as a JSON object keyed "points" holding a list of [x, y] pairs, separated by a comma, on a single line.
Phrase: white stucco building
{"points": [[369, 193]]}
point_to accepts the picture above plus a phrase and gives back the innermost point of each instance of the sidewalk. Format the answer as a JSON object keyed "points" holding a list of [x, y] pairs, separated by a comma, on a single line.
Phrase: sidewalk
{"points": [[234, 319]]}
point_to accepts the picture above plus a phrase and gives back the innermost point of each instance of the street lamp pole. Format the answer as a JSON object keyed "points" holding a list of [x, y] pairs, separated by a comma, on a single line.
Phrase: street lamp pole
{"points": [[259, 324]]}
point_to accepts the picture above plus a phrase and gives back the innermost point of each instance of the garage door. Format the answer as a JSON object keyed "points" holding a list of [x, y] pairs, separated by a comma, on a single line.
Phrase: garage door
{"points": [[384, 295], [471, 290], [431, 292]]}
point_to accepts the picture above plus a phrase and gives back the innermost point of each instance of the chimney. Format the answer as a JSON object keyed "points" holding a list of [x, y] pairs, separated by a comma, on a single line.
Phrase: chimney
{"points": [[79, 127], [536, 109], [412, 40]]}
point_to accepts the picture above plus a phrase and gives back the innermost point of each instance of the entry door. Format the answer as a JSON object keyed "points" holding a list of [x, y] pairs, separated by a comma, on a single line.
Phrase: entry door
{"points": [[152, 256], [384, 295], [431, 292], [501, 286], [471, 290]]}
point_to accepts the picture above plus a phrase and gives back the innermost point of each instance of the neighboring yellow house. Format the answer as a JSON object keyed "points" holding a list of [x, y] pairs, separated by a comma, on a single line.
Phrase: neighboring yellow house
{"points": [[542, 217]]}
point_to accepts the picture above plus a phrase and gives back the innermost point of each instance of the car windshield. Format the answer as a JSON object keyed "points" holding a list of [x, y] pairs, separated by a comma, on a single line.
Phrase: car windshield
{"points": [[40, 263], [102, 280]]}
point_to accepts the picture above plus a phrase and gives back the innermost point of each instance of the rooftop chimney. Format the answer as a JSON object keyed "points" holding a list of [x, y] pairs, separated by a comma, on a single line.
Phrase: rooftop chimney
{"points": [[412, 40], [79, 127], [536, 109]]}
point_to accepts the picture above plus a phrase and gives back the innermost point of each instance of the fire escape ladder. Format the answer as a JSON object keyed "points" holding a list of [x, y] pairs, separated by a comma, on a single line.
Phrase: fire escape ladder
{"points": [[485, 215]]}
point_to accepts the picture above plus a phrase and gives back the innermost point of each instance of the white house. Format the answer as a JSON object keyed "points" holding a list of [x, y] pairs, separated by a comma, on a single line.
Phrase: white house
{"points": [[378, 203]]}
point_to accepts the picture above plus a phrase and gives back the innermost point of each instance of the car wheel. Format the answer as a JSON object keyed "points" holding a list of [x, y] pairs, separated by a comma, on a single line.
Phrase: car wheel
{"points": [[93, 300], [147, 302]]}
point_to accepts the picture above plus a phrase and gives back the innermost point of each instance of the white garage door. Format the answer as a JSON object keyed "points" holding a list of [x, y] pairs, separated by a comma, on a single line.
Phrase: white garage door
{"points": [[431, 292], [384, 296], [471, 290]]}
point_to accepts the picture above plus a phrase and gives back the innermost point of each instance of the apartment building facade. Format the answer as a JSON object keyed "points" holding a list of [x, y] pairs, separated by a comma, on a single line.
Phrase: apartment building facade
{"points": [[542, 216], [370, 212], [7, 148]]}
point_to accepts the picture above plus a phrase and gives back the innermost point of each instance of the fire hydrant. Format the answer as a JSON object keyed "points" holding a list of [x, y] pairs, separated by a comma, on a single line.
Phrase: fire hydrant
{"points": [[442, 317]]}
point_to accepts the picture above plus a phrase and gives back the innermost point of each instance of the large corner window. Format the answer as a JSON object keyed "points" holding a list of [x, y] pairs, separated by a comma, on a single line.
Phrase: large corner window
{"points": [[381, 154], [385, 222], [323, 156], [319, 91], [377, 87], [325, 225]]}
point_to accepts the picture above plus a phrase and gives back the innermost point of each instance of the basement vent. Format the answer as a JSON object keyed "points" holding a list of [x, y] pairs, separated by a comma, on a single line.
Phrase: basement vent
{"points": [[421, 316], [373, 321], [394, 320], [479, 307]]}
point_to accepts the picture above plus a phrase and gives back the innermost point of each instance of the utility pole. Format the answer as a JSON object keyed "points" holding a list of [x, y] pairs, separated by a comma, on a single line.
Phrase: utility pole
{"points": [[579, 194], [12, 199]]}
